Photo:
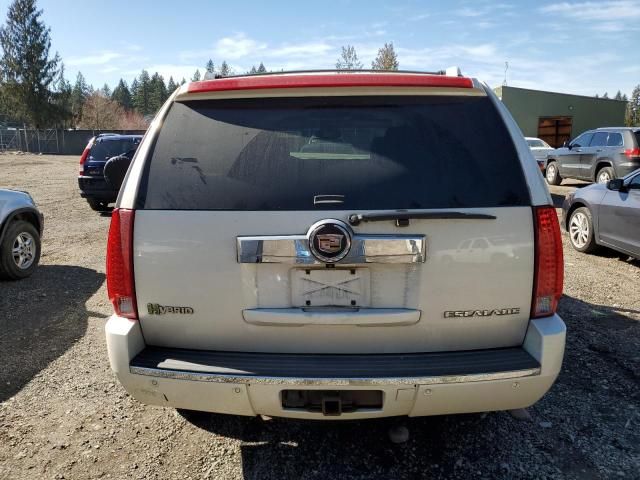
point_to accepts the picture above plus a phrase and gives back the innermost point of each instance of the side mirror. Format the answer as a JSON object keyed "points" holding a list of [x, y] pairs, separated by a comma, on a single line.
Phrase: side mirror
{"points": [[566, 144], [617, 185]]}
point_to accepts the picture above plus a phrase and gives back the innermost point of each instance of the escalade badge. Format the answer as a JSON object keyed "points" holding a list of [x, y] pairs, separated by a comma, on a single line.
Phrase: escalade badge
{"points": [[481, 313], [330, 240]]}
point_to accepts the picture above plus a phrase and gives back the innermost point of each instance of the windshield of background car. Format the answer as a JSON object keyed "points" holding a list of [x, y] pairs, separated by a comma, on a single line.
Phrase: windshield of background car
{"points": [[105, 149], [536, 143], [379, 152]]}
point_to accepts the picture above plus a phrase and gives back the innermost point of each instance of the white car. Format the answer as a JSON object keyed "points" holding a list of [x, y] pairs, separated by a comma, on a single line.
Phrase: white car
{"points": [[278, 245], [540, 150]]}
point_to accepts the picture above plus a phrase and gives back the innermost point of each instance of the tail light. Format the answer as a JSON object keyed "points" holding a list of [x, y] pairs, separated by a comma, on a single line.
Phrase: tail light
{"points": [[120, 283], [85, 154], [549, 263], [632, 152]]}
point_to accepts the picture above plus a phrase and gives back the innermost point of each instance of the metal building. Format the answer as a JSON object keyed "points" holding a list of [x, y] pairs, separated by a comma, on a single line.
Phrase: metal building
{"points": [[556, 117]]}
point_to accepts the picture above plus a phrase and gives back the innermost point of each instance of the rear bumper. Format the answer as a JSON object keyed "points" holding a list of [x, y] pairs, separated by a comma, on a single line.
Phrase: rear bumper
{"points": [[411, 384], [96, 188]]}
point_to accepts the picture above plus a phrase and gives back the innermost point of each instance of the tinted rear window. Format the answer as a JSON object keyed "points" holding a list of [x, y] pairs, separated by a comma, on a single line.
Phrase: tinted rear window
{"points": [[105, 149], [370, 152]]}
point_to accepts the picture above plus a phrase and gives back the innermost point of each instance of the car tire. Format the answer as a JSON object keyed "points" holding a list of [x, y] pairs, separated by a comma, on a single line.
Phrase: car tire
{"points": [[581, 234], [97, 205], [552, 174], [19, 250], [604, 175]]}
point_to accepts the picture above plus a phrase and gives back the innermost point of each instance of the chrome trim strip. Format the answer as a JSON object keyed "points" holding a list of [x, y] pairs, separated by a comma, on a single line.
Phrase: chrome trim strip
{"points": [[294, 249], [245, 379]]}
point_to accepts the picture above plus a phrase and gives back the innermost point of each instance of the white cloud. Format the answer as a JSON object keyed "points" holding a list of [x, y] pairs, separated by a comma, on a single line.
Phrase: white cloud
{"points": [[237, 46], [597, 11], [96, 59]]}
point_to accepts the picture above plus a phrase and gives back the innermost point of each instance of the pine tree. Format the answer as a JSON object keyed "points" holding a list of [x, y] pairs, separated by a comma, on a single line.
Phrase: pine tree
{"points": [[349, 59], [105, 91], [253, 70], [210, 67], [606, 95], [157, 93], [79, 95], [196, 76], [632, 118], [618, 95], [183, 81], [141, 97], [262, 68], [62, 96], [225, 70], [625, 98], [171, 86], [122, 95], [27, 72], [386, 59]]}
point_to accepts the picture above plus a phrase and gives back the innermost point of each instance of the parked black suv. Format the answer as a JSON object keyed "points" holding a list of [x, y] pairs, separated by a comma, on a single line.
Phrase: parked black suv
{"points": [[597, 155], [100, 149]]}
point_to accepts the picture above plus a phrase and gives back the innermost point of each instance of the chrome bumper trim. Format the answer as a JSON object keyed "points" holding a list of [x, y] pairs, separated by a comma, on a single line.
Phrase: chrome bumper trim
{"points": [[243, 379], [294, 249]]}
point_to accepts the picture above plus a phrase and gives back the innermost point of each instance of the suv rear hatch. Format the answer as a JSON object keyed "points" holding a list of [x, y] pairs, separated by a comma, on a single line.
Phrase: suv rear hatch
{"points": [[230, 191]]}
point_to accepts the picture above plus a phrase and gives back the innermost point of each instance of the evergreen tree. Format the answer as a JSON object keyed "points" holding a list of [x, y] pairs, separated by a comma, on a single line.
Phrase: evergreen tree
{"points": [[79, 94], [210, 67], [225, 70], [196, 76], [606, 95], [349, 59], [253, 70], [62, 96], [261, 68], [122, 95], [183, 81], [632, 118], [105, 91], [27, 71], [618, 95], [386, 59], [157, 93], [171, 86], [142, 97], [625, 98]]}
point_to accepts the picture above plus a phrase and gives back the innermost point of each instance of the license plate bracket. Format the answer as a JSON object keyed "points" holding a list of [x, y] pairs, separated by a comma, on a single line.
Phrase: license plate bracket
{"points": [[330, 287]]}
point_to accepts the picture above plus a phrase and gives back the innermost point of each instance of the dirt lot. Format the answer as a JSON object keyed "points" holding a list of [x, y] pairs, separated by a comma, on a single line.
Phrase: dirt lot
{"points": [[64, 415]]}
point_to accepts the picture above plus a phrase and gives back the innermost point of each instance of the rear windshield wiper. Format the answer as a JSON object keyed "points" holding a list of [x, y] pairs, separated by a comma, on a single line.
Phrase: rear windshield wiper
{"points": [[402, 218]]}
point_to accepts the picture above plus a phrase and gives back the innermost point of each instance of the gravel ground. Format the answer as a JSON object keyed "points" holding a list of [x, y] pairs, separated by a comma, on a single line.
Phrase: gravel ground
{"points": [[64, 415]]}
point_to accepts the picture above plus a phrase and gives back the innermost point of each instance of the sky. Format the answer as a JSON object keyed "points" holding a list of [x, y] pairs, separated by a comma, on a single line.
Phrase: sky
{"points": [[581, 47]]}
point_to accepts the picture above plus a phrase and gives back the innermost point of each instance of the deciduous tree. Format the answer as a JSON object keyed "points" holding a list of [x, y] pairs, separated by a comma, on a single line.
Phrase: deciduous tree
{"points": [[386, 59], [349, 59]]}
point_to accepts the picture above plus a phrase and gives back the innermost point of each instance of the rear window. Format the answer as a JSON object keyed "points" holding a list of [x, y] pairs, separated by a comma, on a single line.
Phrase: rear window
{"points": [[361, 152], [534, 143], [105, 149], [637, 134]]}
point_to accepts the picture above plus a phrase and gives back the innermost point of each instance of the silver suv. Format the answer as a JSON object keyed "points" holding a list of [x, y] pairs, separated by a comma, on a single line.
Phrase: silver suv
{"points": [[286, 245], [597, 155]]}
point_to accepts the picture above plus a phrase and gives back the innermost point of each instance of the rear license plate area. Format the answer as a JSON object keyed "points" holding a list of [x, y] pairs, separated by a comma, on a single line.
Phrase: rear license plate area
{"points": [[330, 287], [331, 402]]}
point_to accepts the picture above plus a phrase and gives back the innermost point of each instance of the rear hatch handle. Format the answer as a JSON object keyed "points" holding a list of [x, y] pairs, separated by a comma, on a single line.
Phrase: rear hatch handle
{"points": [[402, 218]]}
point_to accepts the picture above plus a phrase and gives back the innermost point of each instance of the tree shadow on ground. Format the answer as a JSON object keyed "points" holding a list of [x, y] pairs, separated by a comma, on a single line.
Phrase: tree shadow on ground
{"points": [[40, 318]]}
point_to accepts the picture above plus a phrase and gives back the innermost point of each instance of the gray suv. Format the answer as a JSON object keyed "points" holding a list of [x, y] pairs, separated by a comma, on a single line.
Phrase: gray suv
{"points": [[597, 155]]}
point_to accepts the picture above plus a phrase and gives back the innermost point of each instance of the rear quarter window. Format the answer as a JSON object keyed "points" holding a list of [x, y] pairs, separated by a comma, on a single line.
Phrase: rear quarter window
{"points": [[373, 152]]}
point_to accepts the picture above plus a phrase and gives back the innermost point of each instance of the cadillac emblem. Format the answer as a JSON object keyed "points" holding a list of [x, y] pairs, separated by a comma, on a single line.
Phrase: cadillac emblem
{"points": [[330, 240]]}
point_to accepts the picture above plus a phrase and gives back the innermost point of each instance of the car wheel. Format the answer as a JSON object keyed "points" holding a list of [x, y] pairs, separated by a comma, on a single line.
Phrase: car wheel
{"points": [[604, 175], [19, 251], [552, 175], [581, 230], [98, 206]]}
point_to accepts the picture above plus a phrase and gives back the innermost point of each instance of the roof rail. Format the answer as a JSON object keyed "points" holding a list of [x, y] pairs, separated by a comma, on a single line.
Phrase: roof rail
{"points": [[447, 72]]}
